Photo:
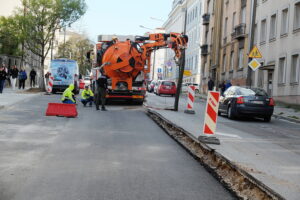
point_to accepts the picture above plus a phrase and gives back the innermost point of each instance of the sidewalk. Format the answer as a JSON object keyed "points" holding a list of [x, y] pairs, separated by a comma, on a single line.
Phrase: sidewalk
{"points": [[272, 159], [11, 97]]}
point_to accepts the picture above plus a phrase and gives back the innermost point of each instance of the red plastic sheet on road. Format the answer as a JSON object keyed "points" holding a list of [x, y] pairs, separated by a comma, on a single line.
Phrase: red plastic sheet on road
{"points": [[61, 109]]}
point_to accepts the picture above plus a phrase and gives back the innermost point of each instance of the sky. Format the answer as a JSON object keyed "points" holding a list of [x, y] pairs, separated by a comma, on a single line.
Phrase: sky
{"points": [[122, 17]]}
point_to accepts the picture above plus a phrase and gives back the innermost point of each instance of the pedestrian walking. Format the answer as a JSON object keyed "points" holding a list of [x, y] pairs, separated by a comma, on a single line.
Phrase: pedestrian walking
{"points": [[210, 84], [7, 77], [22, 78], [228, 84], [32, 77], [101, 90], [68, 95], [87, 96], [13, 76], [3, 76], [47, 76]]}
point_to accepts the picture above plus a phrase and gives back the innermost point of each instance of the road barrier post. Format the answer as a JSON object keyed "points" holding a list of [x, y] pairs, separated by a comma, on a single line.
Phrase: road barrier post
{"points": [[191, 99], [210, 120]]}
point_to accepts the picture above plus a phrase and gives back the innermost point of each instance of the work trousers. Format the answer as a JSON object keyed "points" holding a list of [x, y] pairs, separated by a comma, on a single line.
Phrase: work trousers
{"points": [[101, 96], [87, 100], [22, 84], [2, 82], [32, 81]]}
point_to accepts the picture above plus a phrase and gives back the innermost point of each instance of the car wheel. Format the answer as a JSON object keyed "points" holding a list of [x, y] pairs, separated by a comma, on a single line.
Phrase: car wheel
{"points": [[230, 113], [219, 113], [267, 118]]}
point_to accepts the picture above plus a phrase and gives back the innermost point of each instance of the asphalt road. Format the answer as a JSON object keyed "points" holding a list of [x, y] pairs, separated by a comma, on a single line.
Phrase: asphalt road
{"points": [[116, 155]]}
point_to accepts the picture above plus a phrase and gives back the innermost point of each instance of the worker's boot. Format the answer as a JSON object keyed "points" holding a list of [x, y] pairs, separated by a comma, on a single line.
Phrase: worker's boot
{"points": [[103, 109]]}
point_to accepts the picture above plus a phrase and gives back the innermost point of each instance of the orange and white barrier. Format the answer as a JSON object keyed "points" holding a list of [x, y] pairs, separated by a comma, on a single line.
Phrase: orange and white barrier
{"points": [[211, 114], [191, 99], [50, 84]]}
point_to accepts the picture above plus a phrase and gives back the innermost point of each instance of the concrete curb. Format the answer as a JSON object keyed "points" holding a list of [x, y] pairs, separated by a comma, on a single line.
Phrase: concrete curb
{"points": [[261, 186], [286, 118]]}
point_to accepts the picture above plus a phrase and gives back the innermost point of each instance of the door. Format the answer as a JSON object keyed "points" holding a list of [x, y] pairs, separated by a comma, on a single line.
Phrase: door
{"points": [[270, 83]]}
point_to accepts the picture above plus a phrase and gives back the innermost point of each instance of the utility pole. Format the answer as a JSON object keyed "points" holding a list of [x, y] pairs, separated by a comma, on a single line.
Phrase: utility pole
{"points": [[153, 63], [181, 65], [251, 44]]}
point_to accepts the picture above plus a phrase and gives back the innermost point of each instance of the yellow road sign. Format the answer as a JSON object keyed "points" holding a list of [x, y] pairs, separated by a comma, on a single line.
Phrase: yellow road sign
{"points": [[255, 53], [254, 64], [187, 73]]}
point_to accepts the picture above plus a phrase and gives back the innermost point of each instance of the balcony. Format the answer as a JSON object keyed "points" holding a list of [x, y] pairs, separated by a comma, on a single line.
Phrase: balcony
{"points": [[239, 32], [205, 19], [204, 50]]}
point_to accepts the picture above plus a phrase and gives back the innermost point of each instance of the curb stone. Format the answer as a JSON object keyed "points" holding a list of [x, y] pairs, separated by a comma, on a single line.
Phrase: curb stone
{"points": [[286, 118]]}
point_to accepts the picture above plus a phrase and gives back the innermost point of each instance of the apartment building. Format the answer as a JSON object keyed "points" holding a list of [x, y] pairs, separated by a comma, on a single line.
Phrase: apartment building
{"points": [[174, 23], [277, 36], [225, 41], [185, 16], [193, 30]]}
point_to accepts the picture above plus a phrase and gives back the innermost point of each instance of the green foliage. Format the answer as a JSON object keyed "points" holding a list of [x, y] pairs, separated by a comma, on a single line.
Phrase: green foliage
{"points": [[40, 19], [76, 48], [10, 36]]}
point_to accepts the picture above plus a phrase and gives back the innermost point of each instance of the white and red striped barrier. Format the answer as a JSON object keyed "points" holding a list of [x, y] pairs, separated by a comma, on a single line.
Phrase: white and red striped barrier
{"points": [[211, 114], [191, 99], [50, 84]]}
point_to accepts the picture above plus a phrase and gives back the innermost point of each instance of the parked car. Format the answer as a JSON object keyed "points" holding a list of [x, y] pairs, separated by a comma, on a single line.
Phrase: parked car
{"points": [[184, 87], [156, 84], [239, 101], [166, 87], [151, 85]]}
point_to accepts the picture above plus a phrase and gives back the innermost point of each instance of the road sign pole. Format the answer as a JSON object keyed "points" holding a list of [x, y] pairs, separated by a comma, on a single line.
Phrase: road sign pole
{"points": [[253, 18]]}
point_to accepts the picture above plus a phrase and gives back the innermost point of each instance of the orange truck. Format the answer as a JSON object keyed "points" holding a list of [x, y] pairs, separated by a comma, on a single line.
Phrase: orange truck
{"points": [[127, 63]]}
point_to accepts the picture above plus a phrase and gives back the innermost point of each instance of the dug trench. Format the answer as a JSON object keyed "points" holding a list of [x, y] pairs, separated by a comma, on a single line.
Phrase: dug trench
{"points": [[232, 177]]}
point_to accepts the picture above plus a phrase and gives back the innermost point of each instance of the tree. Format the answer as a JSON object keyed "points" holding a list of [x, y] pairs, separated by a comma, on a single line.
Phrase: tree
{"points": [[40, 19], [76, 48], [10, 36]]}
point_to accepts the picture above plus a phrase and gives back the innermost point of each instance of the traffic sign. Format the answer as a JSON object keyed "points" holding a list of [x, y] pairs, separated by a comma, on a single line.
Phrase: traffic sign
{"points": [[255, 53], [254, 64], [187, 73]]}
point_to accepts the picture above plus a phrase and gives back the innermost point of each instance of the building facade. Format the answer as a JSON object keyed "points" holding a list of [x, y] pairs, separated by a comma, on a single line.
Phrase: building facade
{"points": [[174, 23], [225, 41], [277, 36]]}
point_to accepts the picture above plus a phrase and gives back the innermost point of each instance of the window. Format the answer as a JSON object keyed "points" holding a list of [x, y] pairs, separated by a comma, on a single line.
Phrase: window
{"points": [[225, 27], [241, 57], [281, 70], [243, 15], [284, 21], [231, 60], [224, 62], [263, 31], [295, 68], [255, 34], [233, 20], [273, 27], [297, 16]]}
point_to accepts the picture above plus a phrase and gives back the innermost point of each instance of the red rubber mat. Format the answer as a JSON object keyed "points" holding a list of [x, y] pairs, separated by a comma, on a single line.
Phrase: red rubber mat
{"points": [[61, 109]]}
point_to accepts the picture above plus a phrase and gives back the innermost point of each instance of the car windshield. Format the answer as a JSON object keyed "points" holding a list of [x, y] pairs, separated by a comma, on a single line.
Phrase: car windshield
{"points": [[168, 83]]}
